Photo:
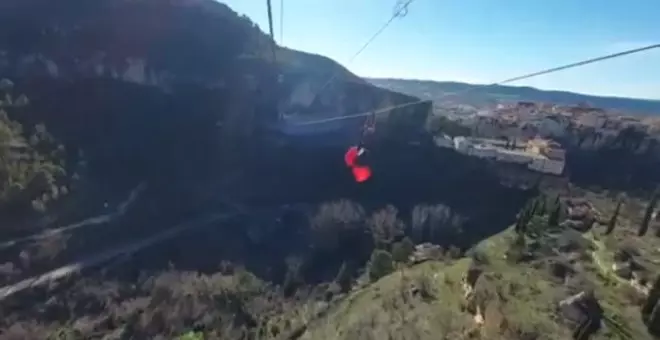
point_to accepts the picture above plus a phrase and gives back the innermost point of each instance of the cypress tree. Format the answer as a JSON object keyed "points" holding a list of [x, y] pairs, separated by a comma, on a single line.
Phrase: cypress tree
{"points": [[644, 227], [612, 223], [553, 219], [541, 207]]}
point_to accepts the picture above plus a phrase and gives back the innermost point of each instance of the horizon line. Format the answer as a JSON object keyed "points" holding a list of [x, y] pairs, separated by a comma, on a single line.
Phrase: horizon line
{"points": [[518, 86]]}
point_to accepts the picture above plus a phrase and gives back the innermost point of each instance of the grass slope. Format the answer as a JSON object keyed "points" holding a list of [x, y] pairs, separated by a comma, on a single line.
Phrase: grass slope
{"points": [[526, 304]]}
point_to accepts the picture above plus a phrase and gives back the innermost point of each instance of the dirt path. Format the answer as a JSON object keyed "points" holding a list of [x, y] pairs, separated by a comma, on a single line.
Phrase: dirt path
{"points": [[101, 258], [122, 208]]}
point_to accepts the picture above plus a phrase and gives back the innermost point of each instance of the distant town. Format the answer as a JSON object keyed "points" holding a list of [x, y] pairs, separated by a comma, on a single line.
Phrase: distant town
{"points": [[536, 134]]}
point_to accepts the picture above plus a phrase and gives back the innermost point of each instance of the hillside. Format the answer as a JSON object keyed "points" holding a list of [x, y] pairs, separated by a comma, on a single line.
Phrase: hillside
{"points": [[507, 287], [483, 94], [143, 94], [191, 213]]}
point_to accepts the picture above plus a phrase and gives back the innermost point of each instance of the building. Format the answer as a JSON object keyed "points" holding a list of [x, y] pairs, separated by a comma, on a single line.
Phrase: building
{"points": [[551, 125], [547, 165], [514, 156], [444, 141], [483, 151], [546, 147], [462, 144], [592, 119], [538, 154], [548, 156]]}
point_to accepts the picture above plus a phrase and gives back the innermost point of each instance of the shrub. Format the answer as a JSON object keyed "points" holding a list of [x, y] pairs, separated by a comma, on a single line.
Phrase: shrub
{"points": [[478, 256], [402, 250], [380, 265], [424, 286], [434, 223], [385, 226], [32, 165], [343, 278], [192, 336], [334, 222]]}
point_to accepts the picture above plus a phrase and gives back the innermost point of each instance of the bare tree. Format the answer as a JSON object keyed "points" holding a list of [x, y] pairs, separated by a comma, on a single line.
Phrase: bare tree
{"points": [[385, 226], [431, 222], [334, 221]]}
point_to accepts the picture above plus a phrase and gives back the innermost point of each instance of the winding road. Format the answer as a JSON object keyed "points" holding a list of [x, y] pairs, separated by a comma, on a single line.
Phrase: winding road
{"points": [[92, 221], [101, 258]]}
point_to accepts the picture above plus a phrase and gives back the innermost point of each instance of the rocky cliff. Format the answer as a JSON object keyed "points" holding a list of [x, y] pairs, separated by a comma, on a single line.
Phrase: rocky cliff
{"points": [[167, 90]]}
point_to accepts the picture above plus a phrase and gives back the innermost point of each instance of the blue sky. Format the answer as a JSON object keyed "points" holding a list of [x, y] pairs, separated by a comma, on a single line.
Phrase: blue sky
{"points": [[480, 41]]}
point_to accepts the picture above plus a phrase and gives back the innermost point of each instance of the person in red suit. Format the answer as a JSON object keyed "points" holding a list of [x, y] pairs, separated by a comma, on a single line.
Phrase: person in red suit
{"points": [[356, 157]]}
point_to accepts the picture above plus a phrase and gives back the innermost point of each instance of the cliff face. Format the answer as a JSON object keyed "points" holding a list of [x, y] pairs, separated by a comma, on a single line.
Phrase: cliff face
{"points": [[146, 42], [154, 85]]}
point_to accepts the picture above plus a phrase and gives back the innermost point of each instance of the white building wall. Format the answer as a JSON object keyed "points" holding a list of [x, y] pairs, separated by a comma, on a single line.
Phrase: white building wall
{"points": [[555, 153], [592, 119], [444, 142], [461, 144], [513, 157], [546, 165], [483, 151]]}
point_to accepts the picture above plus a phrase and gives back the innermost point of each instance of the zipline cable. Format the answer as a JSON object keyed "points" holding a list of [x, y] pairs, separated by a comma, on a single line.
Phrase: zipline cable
{"points": [[506, 81], [270, 26], [400, 11], [281, 22]]}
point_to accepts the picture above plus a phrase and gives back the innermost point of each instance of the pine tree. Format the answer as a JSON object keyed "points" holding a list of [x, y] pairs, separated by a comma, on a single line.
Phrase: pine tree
{"points": [[589, 223], [535, 208], [541, 207], [644, 227], [516, 249], [402, 250], [343, 278], [553, 219], [520, 221], [381, 264], [529, 213], [651, 308], [518, 227], [525, 216], [612, 223]]}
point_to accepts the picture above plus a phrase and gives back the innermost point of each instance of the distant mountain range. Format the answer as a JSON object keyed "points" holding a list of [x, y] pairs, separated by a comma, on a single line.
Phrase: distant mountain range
{"points": [[479, 95]]}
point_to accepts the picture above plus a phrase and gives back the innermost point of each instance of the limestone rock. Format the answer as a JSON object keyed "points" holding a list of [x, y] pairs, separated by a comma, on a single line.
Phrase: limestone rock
{"points": [[582, 313], [424, 252], [623, 269]]}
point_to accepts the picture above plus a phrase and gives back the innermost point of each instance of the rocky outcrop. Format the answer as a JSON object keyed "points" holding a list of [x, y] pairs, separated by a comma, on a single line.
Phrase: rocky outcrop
{"points": [[184, 40], [582, 313], [580, 215], [425, 252], [472, 301], [196, 64], [186, 45], [651, 309], [627, 266], [483, 301]]}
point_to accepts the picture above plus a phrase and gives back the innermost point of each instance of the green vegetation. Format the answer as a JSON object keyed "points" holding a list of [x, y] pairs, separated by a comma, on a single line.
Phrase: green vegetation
{"points": [[516, 296], [32, 162], [402, 250], [380, 264], [385, 227], [191, 336], [650, 208], [612, 222], [346, 273]]}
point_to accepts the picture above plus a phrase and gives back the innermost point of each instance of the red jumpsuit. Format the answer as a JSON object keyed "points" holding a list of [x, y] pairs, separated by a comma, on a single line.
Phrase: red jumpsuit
{"points": [[355, 156]]}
